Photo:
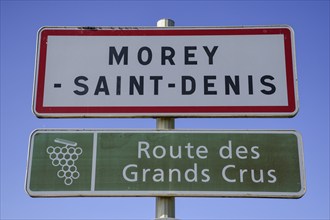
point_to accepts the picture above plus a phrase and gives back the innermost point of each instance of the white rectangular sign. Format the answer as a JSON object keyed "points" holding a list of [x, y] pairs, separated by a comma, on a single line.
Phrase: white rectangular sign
{"points": [[177, 72]]}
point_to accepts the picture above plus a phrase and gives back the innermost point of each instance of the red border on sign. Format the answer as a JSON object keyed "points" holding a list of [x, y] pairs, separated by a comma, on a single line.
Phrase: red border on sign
{"points": [[41, 110]]}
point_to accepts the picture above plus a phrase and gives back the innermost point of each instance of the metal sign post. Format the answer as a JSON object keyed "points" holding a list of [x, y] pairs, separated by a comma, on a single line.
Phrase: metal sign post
{"points": [[252, 75], [165, 206]]}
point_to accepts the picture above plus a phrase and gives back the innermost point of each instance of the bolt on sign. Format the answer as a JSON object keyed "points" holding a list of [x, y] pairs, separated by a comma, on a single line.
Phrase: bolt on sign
{"points": [[156, 72], [166, 163]]}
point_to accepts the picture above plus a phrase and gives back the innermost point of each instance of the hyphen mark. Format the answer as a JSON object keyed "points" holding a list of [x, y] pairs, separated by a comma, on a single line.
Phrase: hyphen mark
{"points": [[57, 85]]}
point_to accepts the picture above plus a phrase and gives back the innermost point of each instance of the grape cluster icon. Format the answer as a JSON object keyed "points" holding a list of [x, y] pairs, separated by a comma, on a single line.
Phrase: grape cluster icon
{"points": [[65, 157]]}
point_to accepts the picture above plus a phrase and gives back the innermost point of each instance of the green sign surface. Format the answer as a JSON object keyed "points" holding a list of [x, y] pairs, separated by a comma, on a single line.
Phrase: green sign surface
{"points": [[166, 163]]}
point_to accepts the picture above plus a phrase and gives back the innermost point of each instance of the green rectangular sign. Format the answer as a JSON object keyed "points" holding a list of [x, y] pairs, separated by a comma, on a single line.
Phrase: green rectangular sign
{"points": [[166, 163]]}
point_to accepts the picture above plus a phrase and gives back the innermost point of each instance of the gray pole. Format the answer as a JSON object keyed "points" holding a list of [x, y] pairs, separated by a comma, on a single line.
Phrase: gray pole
{"points": [[165, 206]]}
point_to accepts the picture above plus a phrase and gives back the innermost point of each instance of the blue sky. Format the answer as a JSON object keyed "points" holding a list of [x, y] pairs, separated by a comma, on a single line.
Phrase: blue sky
{"points": [[20, 21]]}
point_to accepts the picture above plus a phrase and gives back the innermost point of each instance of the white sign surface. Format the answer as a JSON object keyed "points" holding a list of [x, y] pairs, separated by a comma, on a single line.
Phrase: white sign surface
{"points": [[189, 72]]}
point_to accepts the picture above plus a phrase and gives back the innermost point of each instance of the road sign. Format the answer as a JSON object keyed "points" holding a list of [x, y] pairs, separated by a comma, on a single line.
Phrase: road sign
{"points": [[156, 72], [166, 163]]}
